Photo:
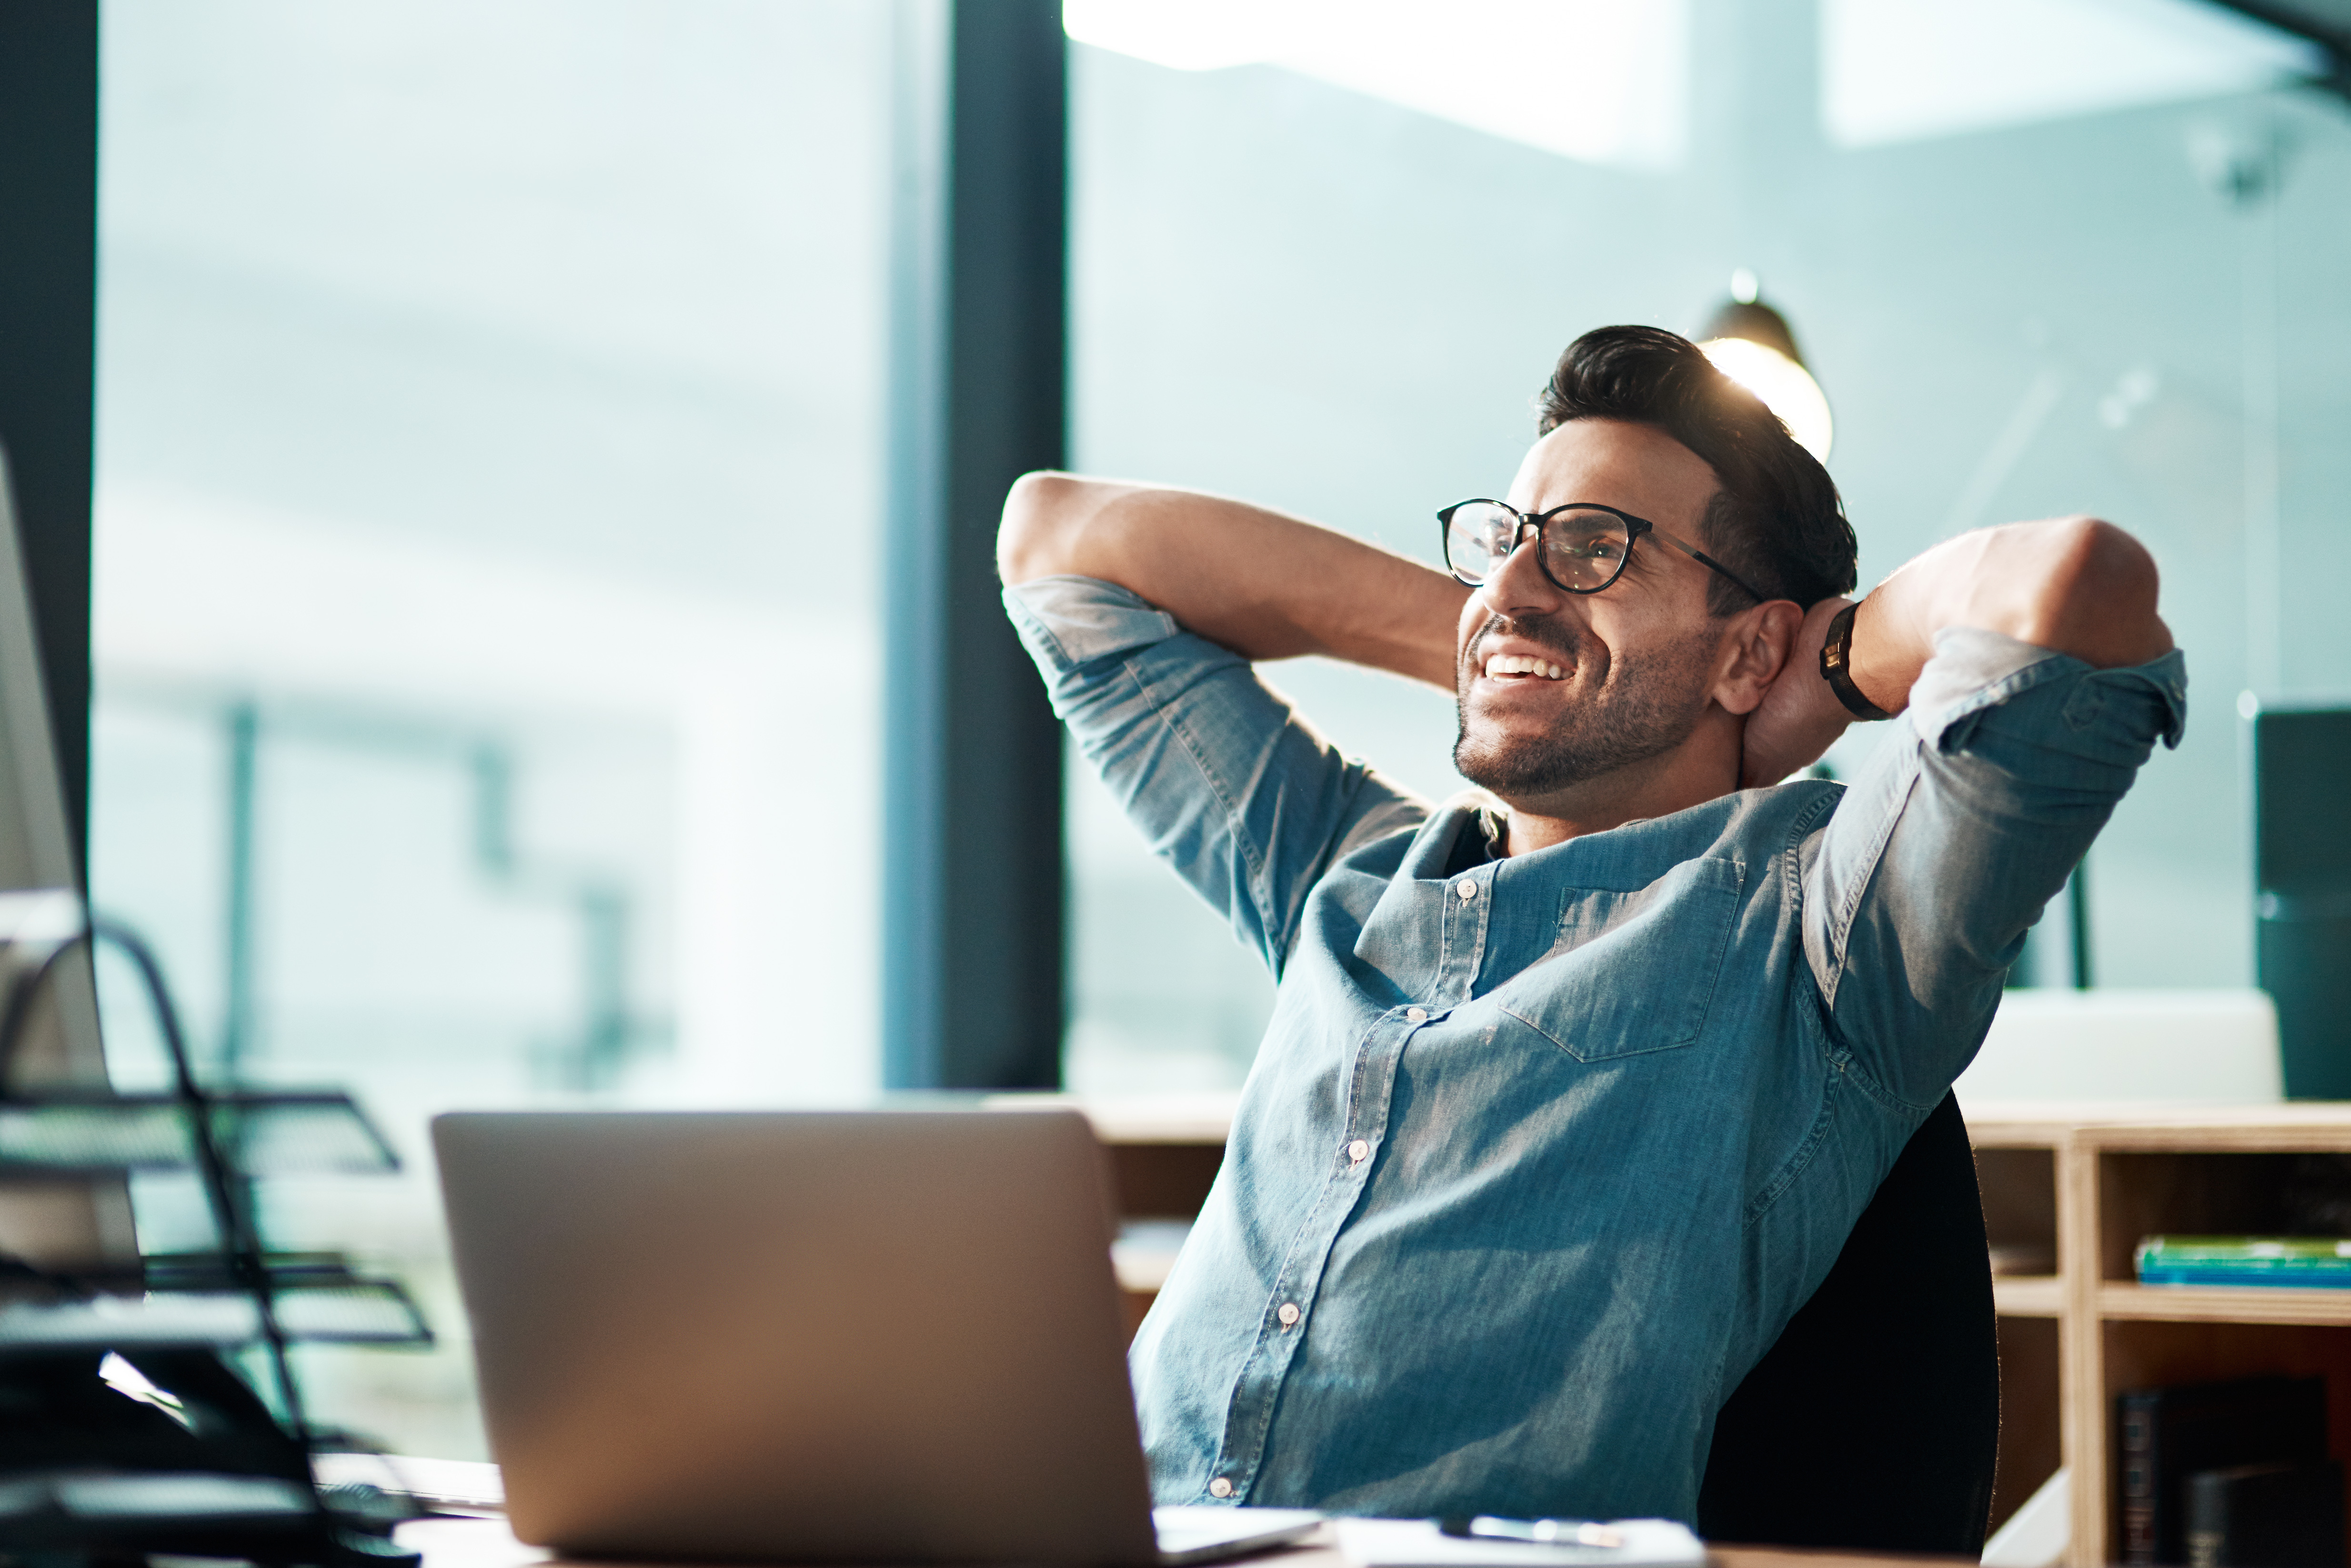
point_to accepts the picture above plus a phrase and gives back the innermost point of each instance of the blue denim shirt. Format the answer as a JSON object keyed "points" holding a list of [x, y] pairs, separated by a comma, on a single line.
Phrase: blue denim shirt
{"points": [[1537, 1159]]}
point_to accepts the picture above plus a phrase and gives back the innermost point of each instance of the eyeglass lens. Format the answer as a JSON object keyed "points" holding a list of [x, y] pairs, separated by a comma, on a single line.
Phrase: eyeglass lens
{"points": [[1582, 549]]}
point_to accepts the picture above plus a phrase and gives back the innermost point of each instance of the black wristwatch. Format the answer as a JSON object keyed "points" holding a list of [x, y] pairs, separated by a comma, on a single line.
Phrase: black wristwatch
{"points": [[1836, 662]]}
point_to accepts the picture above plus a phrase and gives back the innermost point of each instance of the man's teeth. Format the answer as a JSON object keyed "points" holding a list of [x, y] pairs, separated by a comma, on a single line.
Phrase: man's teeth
{"points": [[1519, 664]]}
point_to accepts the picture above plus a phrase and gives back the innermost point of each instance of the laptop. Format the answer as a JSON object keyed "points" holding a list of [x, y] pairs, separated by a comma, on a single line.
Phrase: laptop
{"points": [[838, 1336]]}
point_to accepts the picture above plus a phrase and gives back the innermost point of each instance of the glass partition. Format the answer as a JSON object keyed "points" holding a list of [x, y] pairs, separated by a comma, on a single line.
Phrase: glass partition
{"points": [[2044, 258], [489, 430]]}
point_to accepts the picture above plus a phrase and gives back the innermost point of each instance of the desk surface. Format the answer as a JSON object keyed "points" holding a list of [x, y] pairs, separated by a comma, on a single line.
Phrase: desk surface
{"points": [[487, 1543]]}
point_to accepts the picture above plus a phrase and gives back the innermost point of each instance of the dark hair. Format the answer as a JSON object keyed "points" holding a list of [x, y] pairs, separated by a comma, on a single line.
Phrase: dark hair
{"points": [[1777, 520]]}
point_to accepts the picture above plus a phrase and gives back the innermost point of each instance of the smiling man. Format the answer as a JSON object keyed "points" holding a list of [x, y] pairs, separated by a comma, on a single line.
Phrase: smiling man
{"points": [[1574, 1087]]}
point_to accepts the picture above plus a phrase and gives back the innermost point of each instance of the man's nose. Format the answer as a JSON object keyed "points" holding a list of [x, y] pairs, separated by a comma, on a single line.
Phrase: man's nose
{"points": [[1517, 587]]}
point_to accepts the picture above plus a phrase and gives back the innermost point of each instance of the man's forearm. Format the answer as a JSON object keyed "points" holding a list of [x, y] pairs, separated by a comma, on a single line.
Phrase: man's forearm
{"points": [[1264, 584], [2075, 586]]}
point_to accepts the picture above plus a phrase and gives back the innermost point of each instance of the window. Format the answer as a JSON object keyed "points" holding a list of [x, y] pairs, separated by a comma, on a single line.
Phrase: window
{"points": [[2028, 288], [490, 428]]}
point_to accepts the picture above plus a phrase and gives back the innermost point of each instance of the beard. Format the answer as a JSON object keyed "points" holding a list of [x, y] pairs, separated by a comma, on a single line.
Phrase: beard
{"points": [[1638, 705]]}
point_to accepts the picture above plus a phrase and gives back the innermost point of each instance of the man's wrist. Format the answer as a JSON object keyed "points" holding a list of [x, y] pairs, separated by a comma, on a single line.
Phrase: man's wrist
{"points": [[1836, 668]]}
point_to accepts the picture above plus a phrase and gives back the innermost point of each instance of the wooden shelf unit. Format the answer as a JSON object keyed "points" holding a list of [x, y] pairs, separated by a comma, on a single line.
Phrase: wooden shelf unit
{"points": [[2097, 1179], [2080, 1182]]}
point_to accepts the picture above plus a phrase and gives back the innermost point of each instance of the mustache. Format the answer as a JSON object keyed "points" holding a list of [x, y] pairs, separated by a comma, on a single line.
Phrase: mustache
{"points": [[1554, 636]]}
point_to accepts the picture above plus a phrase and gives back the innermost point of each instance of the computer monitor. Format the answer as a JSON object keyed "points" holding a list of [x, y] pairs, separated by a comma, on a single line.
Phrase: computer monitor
{"points": [[51, 1221], [2302, 878]]}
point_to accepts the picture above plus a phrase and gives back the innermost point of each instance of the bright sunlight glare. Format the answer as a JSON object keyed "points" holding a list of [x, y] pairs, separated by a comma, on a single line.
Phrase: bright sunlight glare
{"points": [[1494, 66], [1786, 388]]}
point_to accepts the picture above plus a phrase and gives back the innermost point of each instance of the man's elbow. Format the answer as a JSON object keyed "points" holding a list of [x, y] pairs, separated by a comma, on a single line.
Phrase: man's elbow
{"points": [[1040, 516], [2097, 596], [1057, 523]]}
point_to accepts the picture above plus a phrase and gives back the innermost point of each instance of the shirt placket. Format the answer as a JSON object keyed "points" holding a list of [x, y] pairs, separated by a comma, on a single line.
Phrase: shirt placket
{"points": [[1468, 908], [1461, 918]]}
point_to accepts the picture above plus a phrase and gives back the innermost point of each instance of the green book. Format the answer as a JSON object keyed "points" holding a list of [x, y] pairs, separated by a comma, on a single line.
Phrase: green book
{"points": [[2300, 1263]]}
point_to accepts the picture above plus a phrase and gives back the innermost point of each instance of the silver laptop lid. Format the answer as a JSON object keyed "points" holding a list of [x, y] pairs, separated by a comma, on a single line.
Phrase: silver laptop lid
{"points": [[813, 1335]]}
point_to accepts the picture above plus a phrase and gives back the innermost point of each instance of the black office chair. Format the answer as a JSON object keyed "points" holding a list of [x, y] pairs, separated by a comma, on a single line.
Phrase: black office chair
{"points": [[1873, 1422]]}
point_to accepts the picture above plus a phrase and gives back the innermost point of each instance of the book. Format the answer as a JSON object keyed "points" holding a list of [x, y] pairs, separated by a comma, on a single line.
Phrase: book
{"points": [[2170, 1434], [2265, 1516], [2295, 1261]]}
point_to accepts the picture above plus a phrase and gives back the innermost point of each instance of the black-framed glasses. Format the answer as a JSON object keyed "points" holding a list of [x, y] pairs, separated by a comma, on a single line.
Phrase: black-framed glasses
{"points": [[1582, 547]]}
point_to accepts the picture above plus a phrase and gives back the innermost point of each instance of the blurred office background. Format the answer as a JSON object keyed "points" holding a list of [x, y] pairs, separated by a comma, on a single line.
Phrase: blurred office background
{"points": [[492, 606]]}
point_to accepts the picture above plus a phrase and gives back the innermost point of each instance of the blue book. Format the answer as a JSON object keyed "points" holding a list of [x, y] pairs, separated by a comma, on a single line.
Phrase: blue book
{"points": [[2297, 1262]]}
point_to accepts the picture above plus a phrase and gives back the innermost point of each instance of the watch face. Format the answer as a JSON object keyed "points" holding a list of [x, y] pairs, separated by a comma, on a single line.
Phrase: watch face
{"points": [[1834, 653]]}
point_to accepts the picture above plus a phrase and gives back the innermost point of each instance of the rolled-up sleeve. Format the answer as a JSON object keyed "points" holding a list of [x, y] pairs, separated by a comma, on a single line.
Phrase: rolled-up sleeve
{"points": [[1228, 784], [1920, 890]]}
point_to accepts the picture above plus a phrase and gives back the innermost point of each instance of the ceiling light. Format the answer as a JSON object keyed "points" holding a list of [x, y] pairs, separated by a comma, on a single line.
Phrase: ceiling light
{"points": [[1900, 70], [1750, 342], [1494, 66]]}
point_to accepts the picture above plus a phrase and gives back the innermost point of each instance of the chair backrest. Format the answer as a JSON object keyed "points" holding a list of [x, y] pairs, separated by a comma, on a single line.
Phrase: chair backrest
{"points": [[1873, 1422]]}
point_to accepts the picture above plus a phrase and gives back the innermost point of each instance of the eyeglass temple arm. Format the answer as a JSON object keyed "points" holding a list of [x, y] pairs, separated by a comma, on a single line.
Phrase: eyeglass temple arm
{"points": [[1703, 559]]}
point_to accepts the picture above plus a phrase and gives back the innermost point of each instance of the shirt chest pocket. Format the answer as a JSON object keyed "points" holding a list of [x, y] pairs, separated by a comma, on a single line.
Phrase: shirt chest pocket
{"points": [[1635, 970]]}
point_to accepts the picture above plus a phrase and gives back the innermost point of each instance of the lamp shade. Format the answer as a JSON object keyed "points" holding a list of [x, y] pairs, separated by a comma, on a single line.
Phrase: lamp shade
{"points": [[1757, 323], [1751, 342]]}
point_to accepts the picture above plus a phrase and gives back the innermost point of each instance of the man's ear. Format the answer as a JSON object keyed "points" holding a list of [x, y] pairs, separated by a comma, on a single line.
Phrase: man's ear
{"points": [[1754, 651]]}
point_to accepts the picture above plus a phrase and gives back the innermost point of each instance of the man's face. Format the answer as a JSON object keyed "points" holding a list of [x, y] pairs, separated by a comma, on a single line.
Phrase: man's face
{"points": [[1635, 661]]}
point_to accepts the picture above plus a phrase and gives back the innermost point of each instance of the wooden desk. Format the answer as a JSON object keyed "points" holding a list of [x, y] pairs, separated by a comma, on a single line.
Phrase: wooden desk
{"points": [[487, 1543], [2083, 1182]]}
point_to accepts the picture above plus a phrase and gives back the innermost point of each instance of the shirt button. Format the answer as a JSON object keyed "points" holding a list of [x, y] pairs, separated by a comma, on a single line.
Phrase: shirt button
{"points": [[1468, 890], [1288, 1314], [1359, 1151], [1417, 1015], [1220, 1488]]}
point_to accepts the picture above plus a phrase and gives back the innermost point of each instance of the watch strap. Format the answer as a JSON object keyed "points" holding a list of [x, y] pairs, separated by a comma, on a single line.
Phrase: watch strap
{"points": [[1836, 668]]}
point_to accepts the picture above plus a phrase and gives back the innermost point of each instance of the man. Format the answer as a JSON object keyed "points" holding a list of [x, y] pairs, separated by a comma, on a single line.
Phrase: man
{"points": [[1573, 1092]]}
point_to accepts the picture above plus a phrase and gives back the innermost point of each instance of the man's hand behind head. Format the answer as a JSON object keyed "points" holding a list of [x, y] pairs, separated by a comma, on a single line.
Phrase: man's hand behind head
{"points": [[1799, 718]]}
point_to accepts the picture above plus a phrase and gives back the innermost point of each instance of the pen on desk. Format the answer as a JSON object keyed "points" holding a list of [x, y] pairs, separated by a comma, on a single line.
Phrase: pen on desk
{"points": [[1539, 1531]]}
